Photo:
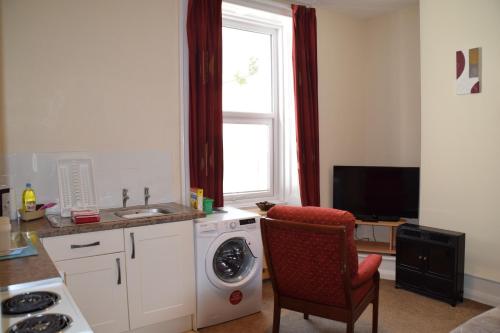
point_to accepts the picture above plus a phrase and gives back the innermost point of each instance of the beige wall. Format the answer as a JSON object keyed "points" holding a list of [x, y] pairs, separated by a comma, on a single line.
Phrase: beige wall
{"points": [[460, 134], [341, 89], [94, 75], [2, 110], [392, 89], [103, 75], [369, 91], [79, 74]]}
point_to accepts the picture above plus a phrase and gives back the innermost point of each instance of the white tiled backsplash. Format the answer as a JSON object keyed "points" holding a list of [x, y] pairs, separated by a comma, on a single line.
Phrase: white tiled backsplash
{"points": [[112, 171]]}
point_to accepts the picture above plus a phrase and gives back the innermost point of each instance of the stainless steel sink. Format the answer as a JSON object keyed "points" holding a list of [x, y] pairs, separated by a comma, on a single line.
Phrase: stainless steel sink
{"points": [[141, 212]]}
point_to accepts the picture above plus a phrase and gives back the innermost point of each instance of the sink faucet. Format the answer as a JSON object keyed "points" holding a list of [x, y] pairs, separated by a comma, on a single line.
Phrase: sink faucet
{"points": [[146, 196], [125, 197]]}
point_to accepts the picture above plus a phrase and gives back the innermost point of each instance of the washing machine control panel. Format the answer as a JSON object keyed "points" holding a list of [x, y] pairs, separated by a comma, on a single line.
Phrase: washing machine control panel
{"points": [[248, 221], [241, 224], [208, 228]]}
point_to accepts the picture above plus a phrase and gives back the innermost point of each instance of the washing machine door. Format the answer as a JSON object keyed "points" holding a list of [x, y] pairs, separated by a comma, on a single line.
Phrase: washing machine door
{"points": [[233, 260]]}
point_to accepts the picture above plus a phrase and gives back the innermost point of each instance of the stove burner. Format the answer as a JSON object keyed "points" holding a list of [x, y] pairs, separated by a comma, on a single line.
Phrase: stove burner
{"points": [[29, 302], [43, 323]]}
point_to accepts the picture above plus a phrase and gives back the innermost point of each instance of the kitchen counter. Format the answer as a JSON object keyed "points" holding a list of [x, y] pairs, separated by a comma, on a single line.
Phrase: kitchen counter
{"points": [[110, 221], [41, 267], [27, 269]]}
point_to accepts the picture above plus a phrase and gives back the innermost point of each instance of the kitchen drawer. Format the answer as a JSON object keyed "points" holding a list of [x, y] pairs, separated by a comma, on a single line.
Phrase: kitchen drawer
{"points": [[84, 245]]}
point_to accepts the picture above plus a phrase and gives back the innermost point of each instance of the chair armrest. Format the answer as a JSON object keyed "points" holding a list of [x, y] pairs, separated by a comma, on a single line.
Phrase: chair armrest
{"points": [[366, 270]]}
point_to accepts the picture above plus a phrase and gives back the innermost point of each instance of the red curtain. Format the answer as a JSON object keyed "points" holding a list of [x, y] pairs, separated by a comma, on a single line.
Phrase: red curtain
{"points": [[305, 72], [204, 30]]}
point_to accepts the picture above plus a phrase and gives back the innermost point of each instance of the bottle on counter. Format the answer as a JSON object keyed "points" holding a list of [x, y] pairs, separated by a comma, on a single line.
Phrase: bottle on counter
{"points": [[29, 199], [4, 233]]}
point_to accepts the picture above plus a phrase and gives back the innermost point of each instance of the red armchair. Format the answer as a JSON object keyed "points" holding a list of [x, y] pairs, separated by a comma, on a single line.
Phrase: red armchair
{"points": [[313, 265]]}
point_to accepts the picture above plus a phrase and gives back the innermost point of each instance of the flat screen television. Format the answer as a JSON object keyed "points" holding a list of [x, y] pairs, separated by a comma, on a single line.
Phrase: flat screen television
{"points": [[377, 193]]}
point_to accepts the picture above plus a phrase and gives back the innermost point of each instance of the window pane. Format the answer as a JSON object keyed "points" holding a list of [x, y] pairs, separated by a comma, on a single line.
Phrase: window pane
{"points": [[247, 164], [247, 75]]}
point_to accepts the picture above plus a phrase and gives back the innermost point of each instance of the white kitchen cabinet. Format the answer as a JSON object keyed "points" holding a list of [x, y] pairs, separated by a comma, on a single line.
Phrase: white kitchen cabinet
{"points": [[99, 286], [160, 272], [82, 245], [156, 290]]}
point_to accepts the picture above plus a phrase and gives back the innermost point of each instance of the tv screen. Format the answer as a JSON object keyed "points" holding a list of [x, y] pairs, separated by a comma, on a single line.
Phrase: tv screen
{"points": [[377, 193]]}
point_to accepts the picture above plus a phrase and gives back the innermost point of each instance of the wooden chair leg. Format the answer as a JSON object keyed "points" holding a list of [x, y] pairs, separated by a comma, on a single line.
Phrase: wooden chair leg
{"points": [[375, 316], [306, 316], [375, 307], [350, 327], [276, 317]]}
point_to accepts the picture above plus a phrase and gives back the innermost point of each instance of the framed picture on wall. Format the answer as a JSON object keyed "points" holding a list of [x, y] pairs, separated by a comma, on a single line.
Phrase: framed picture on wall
{"points": [[468, 71]]}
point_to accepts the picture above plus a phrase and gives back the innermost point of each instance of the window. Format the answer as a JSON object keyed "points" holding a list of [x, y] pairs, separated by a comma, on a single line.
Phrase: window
{"points": [[257, 105], [249, 109], [249, 61]]}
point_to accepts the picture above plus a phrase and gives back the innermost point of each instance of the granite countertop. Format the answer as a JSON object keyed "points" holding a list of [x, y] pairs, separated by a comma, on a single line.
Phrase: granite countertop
{"points": [[41, 267], [28, 269], [110, 221]]}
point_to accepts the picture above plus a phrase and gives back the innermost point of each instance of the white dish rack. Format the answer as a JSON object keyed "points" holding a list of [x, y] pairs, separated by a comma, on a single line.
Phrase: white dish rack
{"points": [[76, 185]]}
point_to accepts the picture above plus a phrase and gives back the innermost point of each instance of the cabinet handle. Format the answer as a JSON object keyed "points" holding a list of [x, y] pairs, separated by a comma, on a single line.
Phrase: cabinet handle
{"points": [[85, 245], [119, 271], [133, 245], [425, 258], [420, 257]]}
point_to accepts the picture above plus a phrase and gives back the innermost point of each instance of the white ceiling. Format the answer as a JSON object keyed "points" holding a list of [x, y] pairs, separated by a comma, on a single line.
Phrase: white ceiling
{"points": [[360, 8]]}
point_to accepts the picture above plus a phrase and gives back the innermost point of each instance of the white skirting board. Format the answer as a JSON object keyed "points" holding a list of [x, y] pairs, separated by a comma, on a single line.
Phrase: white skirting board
{"points": [[482, 290], [475, 288], [182, 324]]}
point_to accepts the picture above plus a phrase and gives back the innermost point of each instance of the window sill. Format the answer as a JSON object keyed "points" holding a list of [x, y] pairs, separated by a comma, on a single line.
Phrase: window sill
{"points": [[249, 205], [256, 210]]}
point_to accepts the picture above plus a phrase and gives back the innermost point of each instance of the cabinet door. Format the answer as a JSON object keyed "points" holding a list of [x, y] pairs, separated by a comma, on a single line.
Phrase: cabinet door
{"points": [[441, 260], [99, 287], [410, 254], [160, 272]]}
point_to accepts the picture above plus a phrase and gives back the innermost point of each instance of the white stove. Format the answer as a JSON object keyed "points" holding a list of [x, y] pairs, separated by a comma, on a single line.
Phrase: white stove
{"points": [[41, 307]]}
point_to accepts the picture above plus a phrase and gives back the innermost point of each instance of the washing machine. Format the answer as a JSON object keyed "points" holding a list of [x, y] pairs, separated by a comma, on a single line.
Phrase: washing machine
{"points": [[228, 266]]}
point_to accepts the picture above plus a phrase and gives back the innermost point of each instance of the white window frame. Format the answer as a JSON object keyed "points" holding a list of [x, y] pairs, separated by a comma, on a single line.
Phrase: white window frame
{"points": [[287, 189], [274, 118], [273, 182]]}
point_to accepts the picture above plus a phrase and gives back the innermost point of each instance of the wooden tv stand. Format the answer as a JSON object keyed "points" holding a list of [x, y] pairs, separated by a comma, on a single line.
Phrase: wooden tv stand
{"points": [[380, 247]]}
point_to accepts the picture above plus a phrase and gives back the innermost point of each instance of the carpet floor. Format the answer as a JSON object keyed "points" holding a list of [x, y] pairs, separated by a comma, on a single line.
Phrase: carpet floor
{"points": [[400, 311]]}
